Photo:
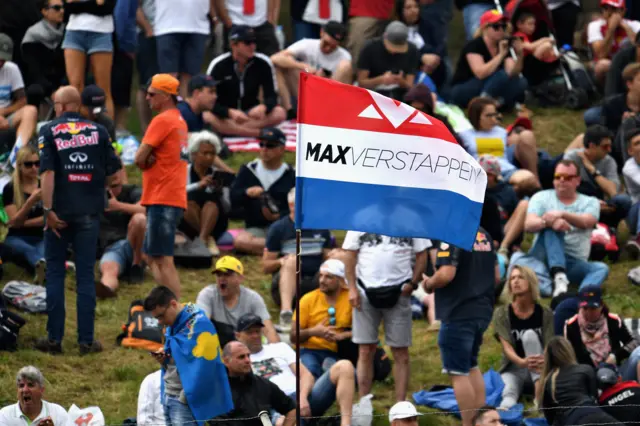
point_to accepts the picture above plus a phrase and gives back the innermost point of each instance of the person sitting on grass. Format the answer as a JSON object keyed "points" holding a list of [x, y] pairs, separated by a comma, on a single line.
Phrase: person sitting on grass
{"points": [[543, 48], [631, 172]]}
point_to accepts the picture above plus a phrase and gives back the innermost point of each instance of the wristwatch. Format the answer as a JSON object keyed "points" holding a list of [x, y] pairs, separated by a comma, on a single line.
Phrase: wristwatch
{"points": [[596, 173], [46, 211]]}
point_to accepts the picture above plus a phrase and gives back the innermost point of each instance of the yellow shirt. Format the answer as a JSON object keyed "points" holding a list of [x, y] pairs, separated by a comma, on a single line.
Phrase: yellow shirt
{"points": [[314, 309]]}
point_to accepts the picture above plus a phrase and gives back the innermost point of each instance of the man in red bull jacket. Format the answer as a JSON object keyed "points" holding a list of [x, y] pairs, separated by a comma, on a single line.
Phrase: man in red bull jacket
{"points": [[77, 161]]}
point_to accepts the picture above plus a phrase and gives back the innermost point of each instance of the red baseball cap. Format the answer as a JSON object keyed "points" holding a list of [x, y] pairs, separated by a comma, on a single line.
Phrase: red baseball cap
{"points": [[493, 16], [618, 4]]}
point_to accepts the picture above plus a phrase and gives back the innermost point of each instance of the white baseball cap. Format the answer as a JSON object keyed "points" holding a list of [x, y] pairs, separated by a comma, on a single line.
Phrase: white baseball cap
{"points": [[403, 410], [334, 267]]}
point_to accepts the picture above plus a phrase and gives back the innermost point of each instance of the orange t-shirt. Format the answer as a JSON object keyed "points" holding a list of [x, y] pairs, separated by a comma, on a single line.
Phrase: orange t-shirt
{"points": [[165, 182]]}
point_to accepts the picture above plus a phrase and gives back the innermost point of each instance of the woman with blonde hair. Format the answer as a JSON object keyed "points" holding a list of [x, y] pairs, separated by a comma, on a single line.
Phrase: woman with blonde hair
{"points": [[569, 390], [23, 204], [523, 327]]}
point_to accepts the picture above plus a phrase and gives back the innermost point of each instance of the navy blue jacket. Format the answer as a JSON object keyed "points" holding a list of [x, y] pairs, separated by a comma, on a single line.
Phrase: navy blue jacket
{"points": [[80, 154]]}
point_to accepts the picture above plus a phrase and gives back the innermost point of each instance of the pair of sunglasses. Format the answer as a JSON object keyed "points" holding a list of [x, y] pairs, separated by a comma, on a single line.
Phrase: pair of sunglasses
{"points": [[498, 27], [29, 164], [269, 145], [332, 315]]}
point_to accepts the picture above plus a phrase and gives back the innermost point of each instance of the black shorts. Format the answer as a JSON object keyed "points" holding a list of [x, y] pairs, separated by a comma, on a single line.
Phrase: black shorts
{"points": [[121, 79], [146, 59]]}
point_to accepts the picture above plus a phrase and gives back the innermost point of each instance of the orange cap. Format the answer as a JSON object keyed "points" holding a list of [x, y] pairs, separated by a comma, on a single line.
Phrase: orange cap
{"points": [[166, 83]]}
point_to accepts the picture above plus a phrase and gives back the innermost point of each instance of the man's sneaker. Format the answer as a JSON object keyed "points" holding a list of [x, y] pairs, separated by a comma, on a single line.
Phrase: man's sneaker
{"points": [[136, 274], [633, 247], [213, 248], [285, 322], [41, 269], [560, 284], [43, 344], [93, 348], [104, 292]]}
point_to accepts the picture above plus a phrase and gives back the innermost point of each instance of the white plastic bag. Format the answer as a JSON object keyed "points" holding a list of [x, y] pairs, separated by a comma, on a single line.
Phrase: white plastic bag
{"points": [[362, 413], [90, 416]]}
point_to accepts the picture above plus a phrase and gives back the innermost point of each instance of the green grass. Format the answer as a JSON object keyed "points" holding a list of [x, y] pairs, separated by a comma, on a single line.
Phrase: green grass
{"points": [[111, 379]]}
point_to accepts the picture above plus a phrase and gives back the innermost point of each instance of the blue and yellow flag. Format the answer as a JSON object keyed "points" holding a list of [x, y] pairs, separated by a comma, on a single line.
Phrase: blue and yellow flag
{"points": [[195, 348]]}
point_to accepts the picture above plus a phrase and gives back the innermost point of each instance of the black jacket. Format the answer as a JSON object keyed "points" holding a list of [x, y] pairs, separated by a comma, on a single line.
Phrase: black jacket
{"points": [[90, 7], [247, 178], [614, 84], [43, 66], [575, 390], [240, 90], [251, 395], [622, 402], [621, 341]]}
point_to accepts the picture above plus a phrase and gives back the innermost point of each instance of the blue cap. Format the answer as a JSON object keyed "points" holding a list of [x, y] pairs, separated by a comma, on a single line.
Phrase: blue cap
{"points": [[242, 33], [201, 80], [93, 97], [272, 134]]}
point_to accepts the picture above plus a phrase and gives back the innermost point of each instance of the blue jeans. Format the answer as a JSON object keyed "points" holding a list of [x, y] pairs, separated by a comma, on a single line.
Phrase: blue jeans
{"points": [[499, 86], [629, 369], [181, 52], [549, 248], [302, 29], [435, 19], [633, 219], [459, 343], [313, 359], [176, 413], [593, 116], [471, 16], [31, 247], [82, 233]]}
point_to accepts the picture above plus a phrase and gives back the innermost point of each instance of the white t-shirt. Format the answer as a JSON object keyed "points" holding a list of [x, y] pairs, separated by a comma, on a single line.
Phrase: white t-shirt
{"points": [[598, 28], [384, 261], [89, 22], [10, 81], [182, 16], [240, 16], [11, 415], [415, 37], [273, 362], [268, 177], [150, 410], [308, 50], [312, 12], [631, 172]]}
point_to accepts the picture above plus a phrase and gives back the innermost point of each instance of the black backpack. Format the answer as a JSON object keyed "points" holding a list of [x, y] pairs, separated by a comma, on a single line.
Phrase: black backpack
{"points": [[142, 330], [10, 325]]}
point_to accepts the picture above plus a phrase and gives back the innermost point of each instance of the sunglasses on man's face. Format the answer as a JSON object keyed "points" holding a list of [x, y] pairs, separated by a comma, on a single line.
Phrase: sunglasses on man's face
{"points": [[269, 145], [564, 178], [56, 7], [499, 27], [29, 164]]}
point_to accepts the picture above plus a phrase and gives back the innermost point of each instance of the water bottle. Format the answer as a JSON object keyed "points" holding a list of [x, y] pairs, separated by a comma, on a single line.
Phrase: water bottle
{"points": [[280, 36]]}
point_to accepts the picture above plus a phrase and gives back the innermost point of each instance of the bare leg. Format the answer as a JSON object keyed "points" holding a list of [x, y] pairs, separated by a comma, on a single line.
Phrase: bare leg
{"points": [[109, 272], [184, 84], [144, 112], [469, 397], [365, 368], [76, 65], [601, 69], [259, 119], [247, 243], [430, 301], [287, 285], [344, 72], [25, 121], [135, 235], [401, 372], [101, 63], [165, 273], [192, 215], [283, 87], [342, 375], [527, 152], [515, 225], [208, 220]]}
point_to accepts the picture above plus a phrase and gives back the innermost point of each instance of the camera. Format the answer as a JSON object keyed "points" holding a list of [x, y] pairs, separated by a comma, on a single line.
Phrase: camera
{"points": [[268, 202]]}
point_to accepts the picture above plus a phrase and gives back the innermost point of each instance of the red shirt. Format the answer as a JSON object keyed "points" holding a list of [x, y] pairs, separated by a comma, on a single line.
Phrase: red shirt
{"points": [[380, 9]]}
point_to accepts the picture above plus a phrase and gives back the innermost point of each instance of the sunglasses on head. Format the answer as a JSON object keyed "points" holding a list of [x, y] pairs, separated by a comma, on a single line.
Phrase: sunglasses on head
{"points": [[56, 7], [564, 178], [29, 164], [269, 145], [332, 315], [499, 26]]}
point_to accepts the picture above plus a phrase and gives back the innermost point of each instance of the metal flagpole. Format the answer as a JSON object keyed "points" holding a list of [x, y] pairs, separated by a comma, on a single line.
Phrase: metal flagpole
{"points": [[297, 342]]}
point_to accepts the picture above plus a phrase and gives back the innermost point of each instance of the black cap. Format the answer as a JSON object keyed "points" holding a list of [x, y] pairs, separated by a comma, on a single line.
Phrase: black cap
{"points": [[93, 97], [201, 80], [247, 321], [590, 297], [272, 134], [242, 33], [607, 375], [336, 30]]}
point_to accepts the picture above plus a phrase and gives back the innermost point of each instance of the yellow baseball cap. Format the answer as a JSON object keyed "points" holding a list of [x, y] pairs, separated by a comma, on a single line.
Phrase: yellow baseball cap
{"points": [[229, 264]]}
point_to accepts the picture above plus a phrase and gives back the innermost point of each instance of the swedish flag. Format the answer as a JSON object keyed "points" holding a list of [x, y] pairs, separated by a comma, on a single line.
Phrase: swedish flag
{"points": [[195, 347]]}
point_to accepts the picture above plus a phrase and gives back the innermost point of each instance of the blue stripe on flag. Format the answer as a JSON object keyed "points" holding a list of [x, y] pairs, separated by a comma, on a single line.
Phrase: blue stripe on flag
{"points": [[389, 210]]}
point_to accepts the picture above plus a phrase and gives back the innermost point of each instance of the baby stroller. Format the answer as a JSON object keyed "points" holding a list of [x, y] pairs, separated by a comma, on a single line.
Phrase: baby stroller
{"points": [[563, 82]]}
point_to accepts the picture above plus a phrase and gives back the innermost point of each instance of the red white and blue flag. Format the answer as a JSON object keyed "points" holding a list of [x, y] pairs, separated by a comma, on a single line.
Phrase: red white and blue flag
{"points": [[368, 163]]}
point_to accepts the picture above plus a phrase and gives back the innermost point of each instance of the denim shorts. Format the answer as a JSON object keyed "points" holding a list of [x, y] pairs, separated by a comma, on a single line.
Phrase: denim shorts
{"points": [[121, 253], [181, 52], [88, 41], [459, 343], [162, 221]]}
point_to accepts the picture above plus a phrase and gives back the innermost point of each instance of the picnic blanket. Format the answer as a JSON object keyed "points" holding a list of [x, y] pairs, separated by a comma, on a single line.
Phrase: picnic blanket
{"points": [[246, 144]]}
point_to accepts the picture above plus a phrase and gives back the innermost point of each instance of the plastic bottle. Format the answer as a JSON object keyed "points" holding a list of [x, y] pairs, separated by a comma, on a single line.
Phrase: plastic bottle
{"points": [[280, 36]]}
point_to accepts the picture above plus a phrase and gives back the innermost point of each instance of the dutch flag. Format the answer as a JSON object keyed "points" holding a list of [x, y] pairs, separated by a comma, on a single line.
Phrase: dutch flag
{"points": [[368, 163]]}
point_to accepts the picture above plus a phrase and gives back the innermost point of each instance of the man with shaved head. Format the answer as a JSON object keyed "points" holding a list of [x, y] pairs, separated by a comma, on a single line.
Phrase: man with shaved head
{"points": [[251, 393], [77, 161]]}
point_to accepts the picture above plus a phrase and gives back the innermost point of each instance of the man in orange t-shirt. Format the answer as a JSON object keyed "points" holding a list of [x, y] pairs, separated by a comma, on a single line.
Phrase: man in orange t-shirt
{"points": [[163, 158]]}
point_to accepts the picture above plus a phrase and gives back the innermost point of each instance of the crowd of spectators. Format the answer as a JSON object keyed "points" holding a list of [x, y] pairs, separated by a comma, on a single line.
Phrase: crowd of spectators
{"points": [[58, 125]]}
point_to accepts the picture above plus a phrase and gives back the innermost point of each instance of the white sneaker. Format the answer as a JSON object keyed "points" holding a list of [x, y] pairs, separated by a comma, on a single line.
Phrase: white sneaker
{"points": [[560, 284], [41, 269]]}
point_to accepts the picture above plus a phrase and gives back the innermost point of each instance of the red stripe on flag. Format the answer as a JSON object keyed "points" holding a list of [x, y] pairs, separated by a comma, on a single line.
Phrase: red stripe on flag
{"points": [[327, 103]]}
